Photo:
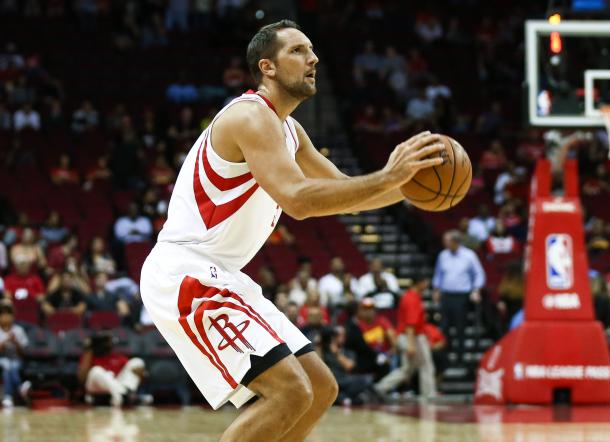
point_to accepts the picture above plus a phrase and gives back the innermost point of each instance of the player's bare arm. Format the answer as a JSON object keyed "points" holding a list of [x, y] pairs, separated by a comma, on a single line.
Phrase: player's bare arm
{"points": [[315, 165], [258, 134]]}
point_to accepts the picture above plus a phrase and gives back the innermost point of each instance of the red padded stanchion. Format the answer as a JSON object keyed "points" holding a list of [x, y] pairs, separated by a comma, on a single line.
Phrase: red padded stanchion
{"points": [[559, 345]]}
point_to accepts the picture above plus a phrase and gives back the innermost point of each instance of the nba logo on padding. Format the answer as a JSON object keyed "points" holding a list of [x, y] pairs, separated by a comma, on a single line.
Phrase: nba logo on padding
{"points": [[559, 261]]}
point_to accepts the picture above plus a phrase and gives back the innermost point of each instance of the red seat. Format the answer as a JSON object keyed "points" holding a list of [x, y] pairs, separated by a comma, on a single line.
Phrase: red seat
{"points": [[104, 320], [26, 310], [135, 254], [63, 320]]}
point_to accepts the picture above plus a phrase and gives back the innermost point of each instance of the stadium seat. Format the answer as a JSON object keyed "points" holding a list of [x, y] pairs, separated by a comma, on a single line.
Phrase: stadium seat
{"points": [[103, 320], [62, 321]]}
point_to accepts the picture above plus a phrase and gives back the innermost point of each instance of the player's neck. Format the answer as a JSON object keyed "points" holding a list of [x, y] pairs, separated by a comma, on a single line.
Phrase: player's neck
{"points": [[283, 103]]}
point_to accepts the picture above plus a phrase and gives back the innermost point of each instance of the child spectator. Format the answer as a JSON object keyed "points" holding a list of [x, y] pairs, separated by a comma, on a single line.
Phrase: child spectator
{"points": [[13, 341]]}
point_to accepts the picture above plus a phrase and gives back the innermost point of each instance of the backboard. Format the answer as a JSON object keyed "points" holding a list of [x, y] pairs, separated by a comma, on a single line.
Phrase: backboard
{"points": [[567, 72]]}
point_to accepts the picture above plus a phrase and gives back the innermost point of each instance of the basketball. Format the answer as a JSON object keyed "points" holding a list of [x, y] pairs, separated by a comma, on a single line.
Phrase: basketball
{"points": [[441, 187]]}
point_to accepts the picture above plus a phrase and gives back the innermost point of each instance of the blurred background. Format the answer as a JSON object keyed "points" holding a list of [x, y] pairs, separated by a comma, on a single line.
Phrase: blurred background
{"points": [[101, 100]]}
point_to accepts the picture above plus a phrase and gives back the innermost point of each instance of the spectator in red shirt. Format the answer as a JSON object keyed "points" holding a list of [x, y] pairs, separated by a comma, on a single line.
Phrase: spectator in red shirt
{"points": [[500, 242], [23, 284], [64, 173], [412, 344], [103, 370]]}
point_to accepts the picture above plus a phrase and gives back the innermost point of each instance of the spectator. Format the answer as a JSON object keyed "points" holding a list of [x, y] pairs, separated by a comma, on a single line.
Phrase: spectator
{"points": [[280, 235], [26, 250], [177, 14], [597, 184], [311, 320], [334, 285], [64, 173], [235, 76], [311, 307], [436, 89], [481, 225], [133, 227], [500, 242], [103, 370], [97, 258], [458, 278], [6, 120], [367, 282], [202, 14], [352, 387], [182, 91], [511, 292], [3, 258], [101, 299], [368, 120], [490, 121], [394, 69], [598, 240], [26, 118], [601, 298], [13, 342], [428, 27], [161, 174], [412, 344], [367, 63], [11, 59], [14, 232], [468, 240], [372, 339], [300, 286], [292, 312], [66, 297], [59, 254], [266, 279], [54, 118], [99, 173], [493, 158], [53, 231], [420, 108], [85, 117], [21, 93], [23, 284], [153, 33]]}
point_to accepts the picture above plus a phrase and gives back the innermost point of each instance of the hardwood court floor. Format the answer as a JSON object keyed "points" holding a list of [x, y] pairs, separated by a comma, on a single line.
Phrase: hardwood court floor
{"points": [[431, 424]]}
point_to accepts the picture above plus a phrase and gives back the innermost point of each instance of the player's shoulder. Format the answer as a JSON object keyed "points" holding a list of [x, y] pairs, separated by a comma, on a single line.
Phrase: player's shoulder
{"points": [[247, 112]]}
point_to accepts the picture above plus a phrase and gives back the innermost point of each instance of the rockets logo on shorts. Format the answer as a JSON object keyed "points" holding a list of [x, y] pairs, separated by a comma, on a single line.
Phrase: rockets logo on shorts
{"points": [[559, 261], [236, 333]]}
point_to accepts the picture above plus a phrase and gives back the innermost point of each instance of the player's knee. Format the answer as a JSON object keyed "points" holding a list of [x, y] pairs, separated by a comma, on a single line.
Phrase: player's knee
{"points": [[332, 389], [301, 395]]}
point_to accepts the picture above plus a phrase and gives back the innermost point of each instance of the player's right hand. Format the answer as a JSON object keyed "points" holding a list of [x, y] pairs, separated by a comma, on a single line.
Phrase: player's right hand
{"points": [[413, 155]]}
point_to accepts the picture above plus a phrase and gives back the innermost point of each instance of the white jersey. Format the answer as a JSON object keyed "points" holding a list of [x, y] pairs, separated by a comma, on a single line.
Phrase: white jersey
{"points": [[217, 207]]}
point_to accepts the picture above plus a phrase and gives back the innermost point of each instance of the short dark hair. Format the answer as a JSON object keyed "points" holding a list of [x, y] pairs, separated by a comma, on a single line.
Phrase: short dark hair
{"points": [[264, 45]]}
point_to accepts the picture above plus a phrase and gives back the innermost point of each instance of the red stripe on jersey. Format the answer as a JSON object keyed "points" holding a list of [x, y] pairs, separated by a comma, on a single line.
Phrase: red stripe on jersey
{"points": [[265, 99], [189, 290], [221, 182], [212, 214]]}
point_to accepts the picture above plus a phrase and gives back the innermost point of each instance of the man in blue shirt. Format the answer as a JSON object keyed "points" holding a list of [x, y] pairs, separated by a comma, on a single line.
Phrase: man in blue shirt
{"points": [[458, 278]]}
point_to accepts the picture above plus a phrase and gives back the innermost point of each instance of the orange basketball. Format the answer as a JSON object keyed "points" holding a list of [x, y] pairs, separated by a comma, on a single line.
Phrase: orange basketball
{"points": [[441, 187]]}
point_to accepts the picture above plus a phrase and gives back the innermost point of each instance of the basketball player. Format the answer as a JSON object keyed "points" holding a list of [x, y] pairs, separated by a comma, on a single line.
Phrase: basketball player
{"points": [[253, 162]]}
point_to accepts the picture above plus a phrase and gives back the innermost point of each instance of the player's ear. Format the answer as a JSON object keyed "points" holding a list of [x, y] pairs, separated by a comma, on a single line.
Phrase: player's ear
{"points": [[267, 67]]}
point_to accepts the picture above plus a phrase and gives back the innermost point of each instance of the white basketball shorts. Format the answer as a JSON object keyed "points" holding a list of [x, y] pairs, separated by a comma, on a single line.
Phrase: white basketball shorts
{"points": [[222, 328]]}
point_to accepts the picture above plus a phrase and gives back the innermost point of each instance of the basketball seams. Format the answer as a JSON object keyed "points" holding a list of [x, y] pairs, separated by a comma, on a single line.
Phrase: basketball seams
{"points": [[461, 184], [452, 174]]}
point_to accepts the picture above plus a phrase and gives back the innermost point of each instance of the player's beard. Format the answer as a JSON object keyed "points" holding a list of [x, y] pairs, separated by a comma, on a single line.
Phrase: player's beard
{"points": [[298, 89]]}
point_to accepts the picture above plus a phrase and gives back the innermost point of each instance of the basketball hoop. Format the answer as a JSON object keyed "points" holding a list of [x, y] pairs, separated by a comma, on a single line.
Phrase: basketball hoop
{"points": [[605, 112]]}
